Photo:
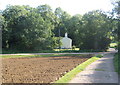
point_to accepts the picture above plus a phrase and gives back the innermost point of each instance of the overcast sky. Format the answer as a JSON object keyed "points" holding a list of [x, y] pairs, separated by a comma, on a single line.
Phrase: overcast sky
{"points": [[70, 6]]}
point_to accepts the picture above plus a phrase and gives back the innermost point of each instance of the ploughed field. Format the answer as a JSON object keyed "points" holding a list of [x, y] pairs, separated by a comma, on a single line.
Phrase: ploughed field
{"points": [[39, 69]]}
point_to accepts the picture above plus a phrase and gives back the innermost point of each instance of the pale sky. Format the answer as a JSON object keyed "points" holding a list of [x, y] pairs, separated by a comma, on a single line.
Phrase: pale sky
{"points": [[70, 6]]}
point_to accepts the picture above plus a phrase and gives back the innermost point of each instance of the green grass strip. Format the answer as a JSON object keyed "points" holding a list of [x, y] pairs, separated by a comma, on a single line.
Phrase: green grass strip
{"points": [[49, 55], [116, 63], [15, 56], [70, 75]]}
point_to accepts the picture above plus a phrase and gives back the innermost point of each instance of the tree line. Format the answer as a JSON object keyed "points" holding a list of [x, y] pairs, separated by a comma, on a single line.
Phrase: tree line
{"points": [[25, 28]]}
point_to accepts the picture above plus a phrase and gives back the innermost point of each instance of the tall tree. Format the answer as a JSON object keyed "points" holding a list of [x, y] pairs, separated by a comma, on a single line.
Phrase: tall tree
{"points": [[27, 29], [62, 21], [74, 24], [11, 13], [95, 31], [3, 30], [117, 10], [47, 13]]}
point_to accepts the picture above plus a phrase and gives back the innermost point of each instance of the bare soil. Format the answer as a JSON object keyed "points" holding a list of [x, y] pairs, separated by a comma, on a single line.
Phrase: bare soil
{"points": [[38, 69]]}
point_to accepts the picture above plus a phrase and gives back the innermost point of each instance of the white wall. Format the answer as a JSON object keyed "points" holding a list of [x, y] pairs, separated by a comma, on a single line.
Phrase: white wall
{"points": [[66, 43]]}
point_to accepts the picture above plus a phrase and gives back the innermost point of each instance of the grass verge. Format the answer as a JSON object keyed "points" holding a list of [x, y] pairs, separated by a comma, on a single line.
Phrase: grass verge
{"points": [[70, 75], [116, 64], [48, 55], [50, 51], [15, 56]]}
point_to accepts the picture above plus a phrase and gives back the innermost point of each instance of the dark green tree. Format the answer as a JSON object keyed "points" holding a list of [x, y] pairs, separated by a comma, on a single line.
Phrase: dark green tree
{"points": [[95, 31], [11, 13], [116, 19], [27, 29], [3, 30], [74, 24], [62, 22]]}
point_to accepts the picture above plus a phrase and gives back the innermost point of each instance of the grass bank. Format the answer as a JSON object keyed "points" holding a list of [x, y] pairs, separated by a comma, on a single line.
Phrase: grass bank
{"points": [[49, 55], [76, 50], [116, 63], [70, 75]]}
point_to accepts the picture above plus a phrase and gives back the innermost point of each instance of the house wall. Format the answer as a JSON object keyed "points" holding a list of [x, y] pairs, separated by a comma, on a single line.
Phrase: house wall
{"points": [[66, 43]]}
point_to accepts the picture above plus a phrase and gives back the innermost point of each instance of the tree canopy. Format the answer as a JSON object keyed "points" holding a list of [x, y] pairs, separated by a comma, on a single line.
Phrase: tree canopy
{"points": [[32, 29]]}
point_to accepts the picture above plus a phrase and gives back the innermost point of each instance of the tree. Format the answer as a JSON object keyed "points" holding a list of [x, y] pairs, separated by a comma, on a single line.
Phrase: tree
{"points": [[74, 24], [95, 30], [47, 14], [11, 13], [62, 22], [2, 22], [27, 29], [3, 30], [116, 31]]}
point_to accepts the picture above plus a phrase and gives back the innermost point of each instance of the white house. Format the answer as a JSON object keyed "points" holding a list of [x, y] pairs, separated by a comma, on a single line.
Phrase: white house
{"points": [[66, 42]]}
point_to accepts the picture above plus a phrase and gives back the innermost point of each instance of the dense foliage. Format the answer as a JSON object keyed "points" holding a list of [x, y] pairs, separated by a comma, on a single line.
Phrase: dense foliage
{"points": [[116, 12], [116, 63], [33, 29]]}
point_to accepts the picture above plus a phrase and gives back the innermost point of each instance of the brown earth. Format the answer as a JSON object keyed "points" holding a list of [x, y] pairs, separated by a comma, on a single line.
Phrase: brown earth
{"points": [[38, 69]]}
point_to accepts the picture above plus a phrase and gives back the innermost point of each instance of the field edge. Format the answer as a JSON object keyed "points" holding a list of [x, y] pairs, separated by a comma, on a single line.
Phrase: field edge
{"points": [[70, 75]]}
